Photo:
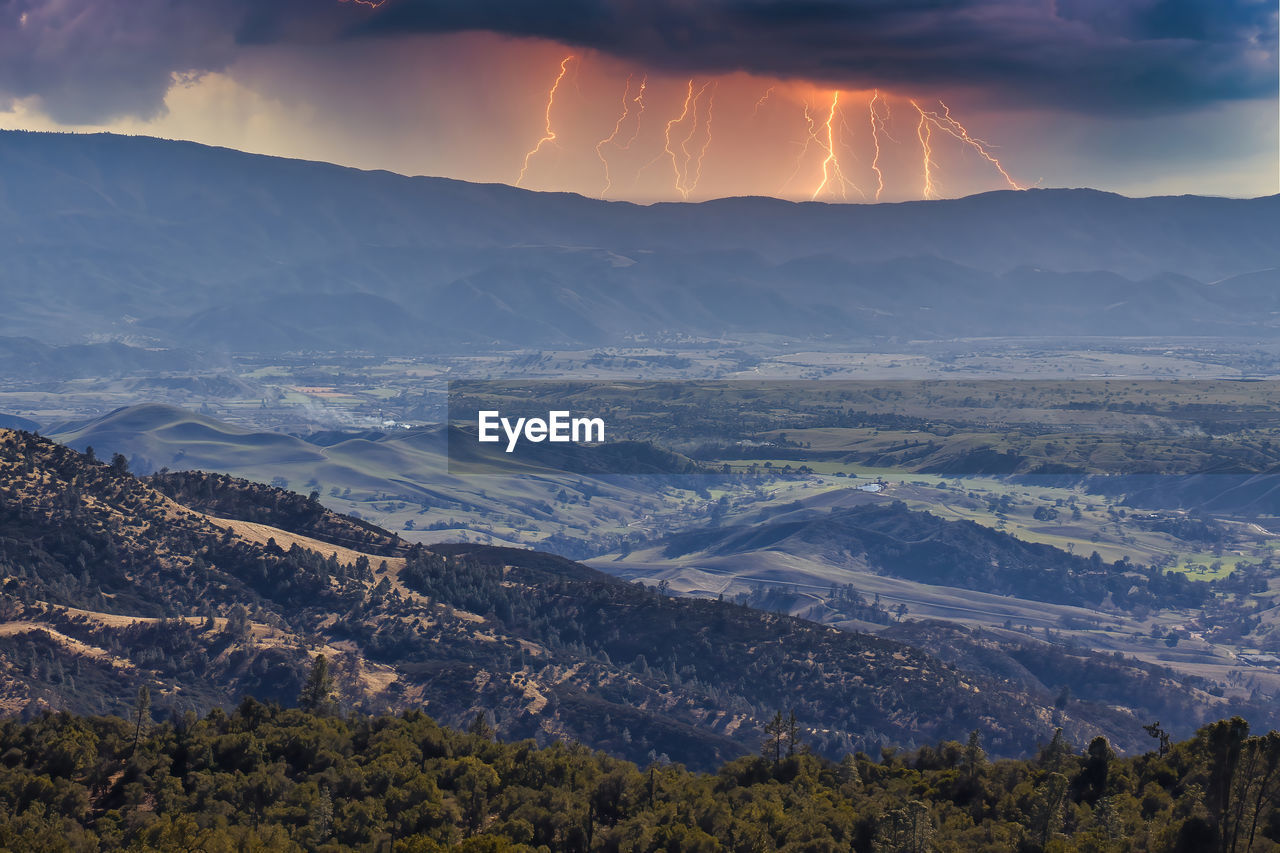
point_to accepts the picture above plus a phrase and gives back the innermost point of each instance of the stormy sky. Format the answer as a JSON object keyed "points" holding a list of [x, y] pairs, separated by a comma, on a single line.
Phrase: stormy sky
{"points": [[1139, 96]]}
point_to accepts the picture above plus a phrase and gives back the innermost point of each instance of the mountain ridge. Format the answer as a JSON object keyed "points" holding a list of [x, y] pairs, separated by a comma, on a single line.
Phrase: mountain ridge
{"points": [[177, 244]]}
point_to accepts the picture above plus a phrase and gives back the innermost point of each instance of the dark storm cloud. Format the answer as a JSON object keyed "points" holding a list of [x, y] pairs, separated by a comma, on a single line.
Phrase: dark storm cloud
{"points": [[1092, 55], [96, 59], [91, 60]]}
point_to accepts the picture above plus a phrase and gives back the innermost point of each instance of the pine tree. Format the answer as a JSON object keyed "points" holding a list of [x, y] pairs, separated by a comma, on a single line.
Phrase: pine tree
{"points": [[480, 727], [237, 626], [974, 756], [317, 693], [322, 814], [775, 731], [142, 714]]}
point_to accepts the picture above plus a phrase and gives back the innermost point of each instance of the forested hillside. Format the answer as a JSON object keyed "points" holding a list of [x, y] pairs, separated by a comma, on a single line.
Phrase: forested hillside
{"points": [[110, 585], [229, 497], [281, 780]]}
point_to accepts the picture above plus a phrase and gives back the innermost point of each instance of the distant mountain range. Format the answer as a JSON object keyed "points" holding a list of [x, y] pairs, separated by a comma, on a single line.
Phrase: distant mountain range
{"points": [[26, 359], [172, 243]]}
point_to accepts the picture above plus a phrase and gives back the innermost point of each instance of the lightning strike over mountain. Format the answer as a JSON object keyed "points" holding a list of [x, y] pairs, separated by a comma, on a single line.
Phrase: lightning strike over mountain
{"points": [[947, 123], [668, 149], [549, 134], [687, 137], [877, 128], [638, 100], [924, 133], [831, 163], [690, 159], [706, 143], [627, 101], [675, 162], [693, 126]]}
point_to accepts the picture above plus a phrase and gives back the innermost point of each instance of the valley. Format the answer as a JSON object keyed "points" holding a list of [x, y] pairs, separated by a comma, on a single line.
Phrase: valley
{"points": [[1176, 588], [862, 456], [112, 582]]}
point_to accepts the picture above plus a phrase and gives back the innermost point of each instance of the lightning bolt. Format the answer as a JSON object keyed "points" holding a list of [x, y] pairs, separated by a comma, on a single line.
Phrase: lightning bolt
{"points": [[372, 4], [684, 111], [947, 123], [612, 138], [693, 126], [831, 163], [958, 130], [549, 135], [811, 136], [877, 127], [706, 143], [760, 103], [688, 109], [617, 128], [924, 132], [638, 100], [691, 160]]}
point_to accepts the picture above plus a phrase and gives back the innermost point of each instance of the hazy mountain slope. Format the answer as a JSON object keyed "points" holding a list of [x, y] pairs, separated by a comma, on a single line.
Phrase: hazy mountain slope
{"points": [[179, 243], [1232, 492], [1070, 673], [15, 422], [893, 540], [153, 435], [148, 183], [25, 359]]}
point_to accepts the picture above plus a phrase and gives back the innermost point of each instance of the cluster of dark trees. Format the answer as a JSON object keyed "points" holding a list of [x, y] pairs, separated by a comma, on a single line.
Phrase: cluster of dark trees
{"points": [[263, 777], [701, 657], [83, 534], [230, 497]]}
